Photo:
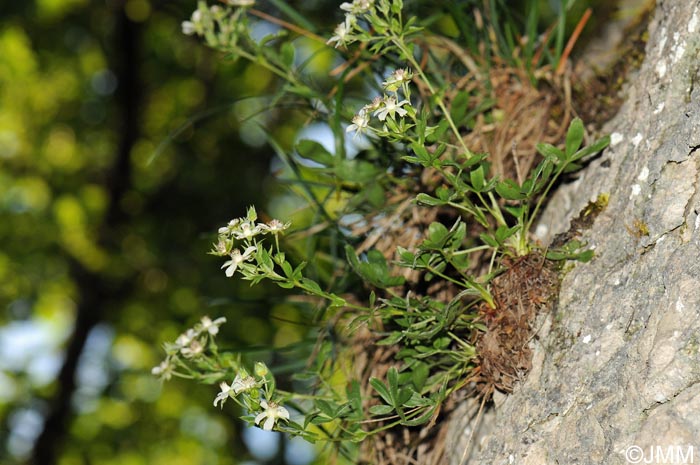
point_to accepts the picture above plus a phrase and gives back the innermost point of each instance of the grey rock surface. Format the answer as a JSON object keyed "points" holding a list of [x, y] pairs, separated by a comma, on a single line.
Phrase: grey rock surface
{"points": [[617, 364]]}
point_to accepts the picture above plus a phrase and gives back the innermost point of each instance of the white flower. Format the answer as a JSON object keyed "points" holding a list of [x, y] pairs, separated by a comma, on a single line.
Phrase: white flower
{"points": [[275, 226], [190, 27], [212, 327], [164, 370], [243, 383], [230, 227], [246, 230], [226, 392], [221, 247], [375, 104], [360, 122], [236, 259], [185, 338], [396, 79], [343, 32], [193, 350], [390, 107], [272, 412], [357, 6]]}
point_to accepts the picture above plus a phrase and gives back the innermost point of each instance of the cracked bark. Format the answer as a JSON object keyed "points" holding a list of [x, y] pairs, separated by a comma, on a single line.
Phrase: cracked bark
{"points": [[618, 363]]}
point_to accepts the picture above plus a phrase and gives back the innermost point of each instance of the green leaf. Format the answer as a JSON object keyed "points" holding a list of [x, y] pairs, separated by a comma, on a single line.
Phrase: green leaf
{"points": [[421, 419], [354, 396], [509, 190], [551, 153], [442, 343], [327, 408], [596, 147], [317, 420], [375, 194], [504, 232], [458, 110], [381, 389], [405, 255], [571, 167], [381, 409], [460, 262], [313, 285], [574, 137], [477, 178], [287, 53], [437, 233], [356, 171], [489, 240], [473, 160], [302, 91], [287, 268], [570, 251], [425, 199], [421, 152], [394, 338], [516, 211], [312, 150], [375, 270], [442, 127], [443, 193], [419, 375], [458, 233], [417, 400], [393, 378]]}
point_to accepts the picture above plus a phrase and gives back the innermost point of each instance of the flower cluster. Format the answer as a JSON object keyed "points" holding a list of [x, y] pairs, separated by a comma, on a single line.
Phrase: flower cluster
{"points": [[254, 392], [245, 230], [349, 30], [245, 390], [189, 345], [387, 106], [219, 26]]}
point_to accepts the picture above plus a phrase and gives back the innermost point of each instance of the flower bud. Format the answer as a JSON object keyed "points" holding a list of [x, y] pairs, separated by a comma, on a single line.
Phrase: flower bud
{"points": [[261, 369]]}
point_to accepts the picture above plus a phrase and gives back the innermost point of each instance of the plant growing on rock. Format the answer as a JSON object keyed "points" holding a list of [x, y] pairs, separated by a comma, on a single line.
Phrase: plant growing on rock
{"points": [[441, 278]]}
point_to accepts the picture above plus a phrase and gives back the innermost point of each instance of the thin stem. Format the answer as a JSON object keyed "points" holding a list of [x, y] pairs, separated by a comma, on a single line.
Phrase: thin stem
{"points": [[409, 56], [289, 26], [543, 196], [471, 250], [444, 276]]}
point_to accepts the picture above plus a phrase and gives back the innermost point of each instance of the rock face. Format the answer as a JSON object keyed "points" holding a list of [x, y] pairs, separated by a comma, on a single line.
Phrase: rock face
{"points": [[616, 369]]}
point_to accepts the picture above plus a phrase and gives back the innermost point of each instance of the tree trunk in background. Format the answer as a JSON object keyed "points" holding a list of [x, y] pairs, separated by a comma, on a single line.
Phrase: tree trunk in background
{"points": [[617, 364], [94, 290]]}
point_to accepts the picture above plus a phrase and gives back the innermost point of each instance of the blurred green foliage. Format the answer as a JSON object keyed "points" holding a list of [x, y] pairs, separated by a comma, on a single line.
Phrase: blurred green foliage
{"points": [[62, 126]]}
